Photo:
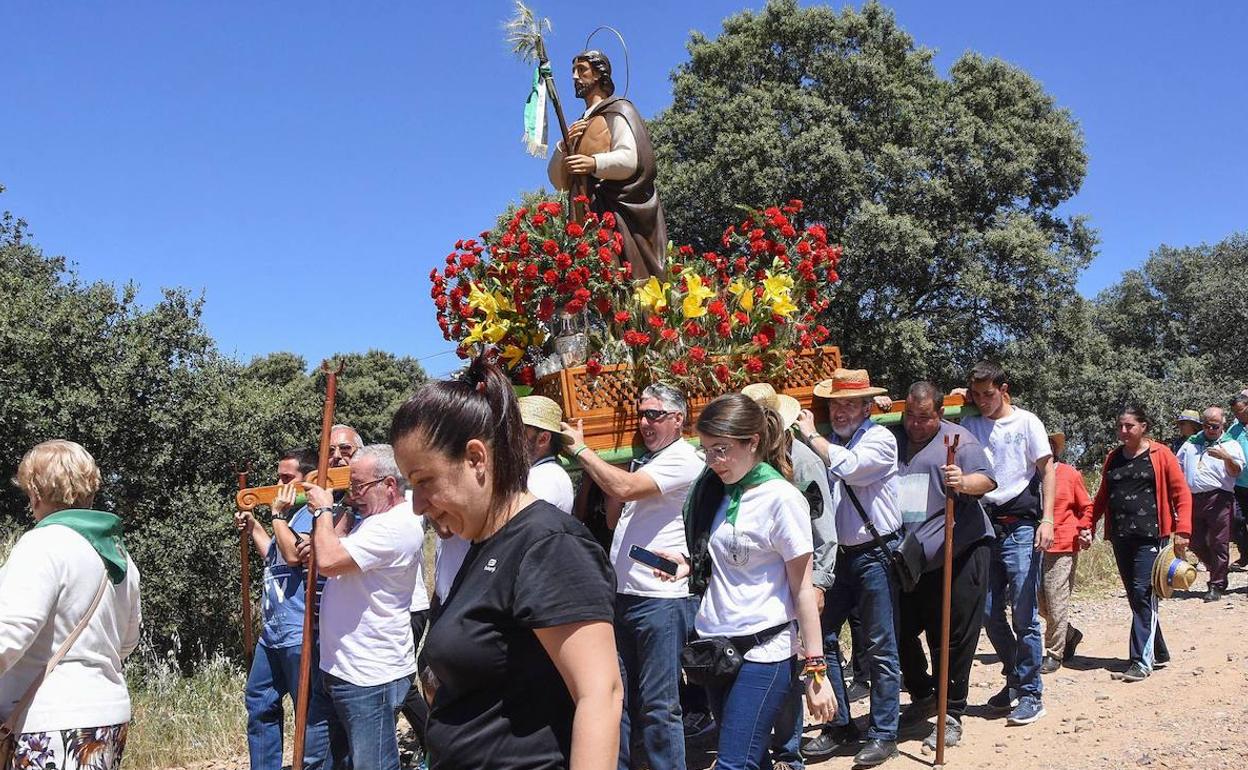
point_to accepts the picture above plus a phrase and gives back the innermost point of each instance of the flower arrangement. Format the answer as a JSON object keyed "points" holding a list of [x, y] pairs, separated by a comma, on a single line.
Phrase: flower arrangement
{"points": [[716, 320]]}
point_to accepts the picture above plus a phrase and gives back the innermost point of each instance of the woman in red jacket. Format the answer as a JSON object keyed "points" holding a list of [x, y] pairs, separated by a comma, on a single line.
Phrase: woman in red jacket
{"points": [[1144, 501], [1072, 526]]}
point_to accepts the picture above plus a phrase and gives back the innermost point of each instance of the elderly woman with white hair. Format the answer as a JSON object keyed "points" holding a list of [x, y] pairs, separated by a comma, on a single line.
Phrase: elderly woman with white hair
{"points": [[69, 615]]}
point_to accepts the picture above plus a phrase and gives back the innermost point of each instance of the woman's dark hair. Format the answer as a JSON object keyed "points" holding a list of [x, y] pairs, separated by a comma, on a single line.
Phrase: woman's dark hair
{"points": [[736, 415], [481, 405], [1136, 411]]}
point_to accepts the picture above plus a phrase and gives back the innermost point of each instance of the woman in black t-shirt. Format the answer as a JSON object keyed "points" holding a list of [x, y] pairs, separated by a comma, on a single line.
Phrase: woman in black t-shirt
{"points": [[1144, 501], [523, 650]]}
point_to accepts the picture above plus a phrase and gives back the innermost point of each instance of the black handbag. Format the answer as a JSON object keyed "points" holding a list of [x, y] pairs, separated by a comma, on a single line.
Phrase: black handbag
{"points": [[716, 660], [907, 560]]}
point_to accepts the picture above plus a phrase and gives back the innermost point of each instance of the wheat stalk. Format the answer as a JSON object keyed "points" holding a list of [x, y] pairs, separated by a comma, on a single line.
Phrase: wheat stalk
{"points": [[524, 34]]}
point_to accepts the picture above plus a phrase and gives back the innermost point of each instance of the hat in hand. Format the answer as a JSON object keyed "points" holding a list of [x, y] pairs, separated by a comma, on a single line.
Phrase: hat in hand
{"points": [[1170, 573]]}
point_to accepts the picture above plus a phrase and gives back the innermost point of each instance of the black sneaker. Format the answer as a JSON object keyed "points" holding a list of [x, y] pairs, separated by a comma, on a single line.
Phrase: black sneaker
{"points": [[919, 710], [829, 741], [1135, 673], [875, 753], [1005, 700], [1049, 664], [857, 691], [1072, 641], [1213, 595]]}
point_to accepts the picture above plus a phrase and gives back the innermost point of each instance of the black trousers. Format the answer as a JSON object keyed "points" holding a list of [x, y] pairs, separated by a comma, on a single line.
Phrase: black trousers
{"points": [[920, 614], [414, 708]]}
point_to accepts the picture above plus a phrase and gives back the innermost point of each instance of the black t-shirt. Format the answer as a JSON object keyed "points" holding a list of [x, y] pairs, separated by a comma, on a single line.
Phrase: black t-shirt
{"points": [[1132, 495], [501, 702]]}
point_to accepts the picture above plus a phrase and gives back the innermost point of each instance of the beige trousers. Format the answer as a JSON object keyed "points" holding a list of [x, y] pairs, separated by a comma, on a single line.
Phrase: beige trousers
{"points": [[1057, 584]]}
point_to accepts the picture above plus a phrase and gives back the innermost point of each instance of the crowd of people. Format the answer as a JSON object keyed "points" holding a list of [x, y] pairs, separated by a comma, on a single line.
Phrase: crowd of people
{"points": [[734, 564]]}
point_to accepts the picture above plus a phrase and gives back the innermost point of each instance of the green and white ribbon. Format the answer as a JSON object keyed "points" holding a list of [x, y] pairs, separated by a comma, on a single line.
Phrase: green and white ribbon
{"points": [[535, 114]]}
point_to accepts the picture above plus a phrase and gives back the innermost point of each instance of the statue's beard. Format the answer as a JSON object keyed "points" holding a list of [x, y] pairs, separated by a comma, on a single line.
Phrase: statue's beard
{"points": [[580, 88]]}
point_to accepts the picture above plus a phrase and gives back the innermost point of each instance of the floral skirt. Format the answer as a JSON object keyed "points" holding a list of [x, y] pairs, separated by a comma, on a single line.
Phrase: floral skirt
{"points": [[83, 748]]}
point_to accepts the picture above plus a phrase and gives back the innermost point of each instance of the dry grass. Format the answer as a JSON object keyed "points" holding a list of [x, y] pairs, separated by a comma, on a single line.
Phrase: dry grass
{"points": [[179, 720]]}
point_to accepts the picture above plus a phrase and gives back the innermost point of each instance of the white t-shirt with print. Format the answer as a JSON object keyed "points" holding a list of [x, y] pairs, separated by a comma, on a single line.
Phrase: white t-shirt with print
{"points": [[550, 482], [749, 587], [1015, 443], [366, 629], [657, 522]]}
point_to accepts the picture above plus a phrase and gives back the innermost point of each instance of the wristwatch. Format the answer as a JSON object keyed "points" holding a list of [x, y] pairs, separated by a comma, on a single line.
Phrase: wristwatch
{"points": [[316, 512]]}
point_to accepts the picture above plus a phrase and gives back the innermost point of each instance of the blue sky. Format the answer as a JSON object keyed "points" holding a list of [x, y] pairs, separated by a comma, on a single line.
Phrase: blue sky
{"points": [[304, 165]]}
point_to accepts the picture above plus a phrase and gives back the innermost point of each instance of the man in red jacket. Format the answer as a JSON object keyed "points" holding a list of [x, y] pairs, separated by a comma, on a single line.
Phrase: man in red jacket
{"points": [[1072, 532]]}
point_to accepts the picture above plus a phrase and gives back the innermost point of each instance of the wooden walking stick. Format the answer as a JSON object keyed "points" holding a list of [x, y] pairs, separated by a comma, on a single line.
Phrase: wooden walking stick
{"points": [[309, 595], [946, 598], [244, 557]]}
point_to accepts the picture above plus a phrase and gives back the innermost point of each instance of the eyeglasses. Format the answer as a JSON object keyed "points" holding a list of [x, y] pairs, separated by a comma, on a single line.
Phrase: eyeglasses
{"points": [[1213, 425], [346, 450], [654, 415], [359, 489], [718, 452]]}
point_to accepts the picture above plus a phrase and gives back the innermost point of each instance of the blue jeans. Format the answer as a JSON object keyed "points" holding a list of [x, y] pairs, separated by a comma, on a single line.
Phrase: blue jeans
{"points": [[786, 740], [864, 579], [275, 674], [746, 711], [1135, 557], [1013, 580], [649, 635], [368, 715]]}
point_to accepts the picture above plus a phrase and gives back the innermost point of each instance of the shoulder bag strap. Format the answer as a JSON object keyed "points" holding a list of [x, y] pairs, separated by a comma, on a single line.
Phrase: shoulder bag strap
{"points": [[10, 725], [875, 533]]}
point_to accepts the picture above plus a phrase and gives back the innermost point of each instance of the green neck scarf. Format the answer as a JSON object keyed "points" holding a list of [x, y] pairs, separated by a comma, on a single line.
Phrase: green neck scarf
{"points": [[1199, 439], [102, 531], [756, 475]]}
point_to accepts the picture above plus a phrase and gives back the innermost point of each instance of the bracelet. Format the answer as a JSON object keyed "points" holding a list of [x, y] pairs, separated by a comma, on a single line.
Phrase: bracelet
{"points": [[577, 453], [278, 517], [1046, 521]]}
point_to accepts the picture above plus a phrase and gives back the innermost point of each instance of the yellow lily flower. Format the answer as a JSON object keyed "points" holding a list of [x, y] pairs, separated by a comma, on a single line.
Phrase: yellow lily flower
{"points": [[512, 355], [475, 334], [480, 300], [698, 291], [496, 330], [743, 293], [776, 292], [654, 294]]}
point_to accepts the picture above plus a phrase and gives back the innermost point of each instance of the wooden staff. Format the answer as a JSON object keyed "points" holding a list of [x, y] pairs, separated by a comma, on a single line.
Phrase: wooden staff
{"points": [[244, 557], [309, 594], [946, 599]]}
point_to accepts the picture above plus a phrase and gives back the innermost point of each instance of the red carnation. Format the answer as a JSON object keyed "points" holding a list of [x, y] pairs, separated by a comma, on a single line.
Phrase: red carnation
{"points": [[545, 309], [741, 317], [531, 271], [593, 367], [680, 368], [451, 271], [717, 308], [697, 353], [669, 334], [574, 306], [724, 328], [574, 230], [655, 321], [721, 372], [468, 260], [604, 235], [539, 219], [562, 261], [550, 277], [623, 317], [694, 329], [550, 247], [754, 364], [581, 199]]}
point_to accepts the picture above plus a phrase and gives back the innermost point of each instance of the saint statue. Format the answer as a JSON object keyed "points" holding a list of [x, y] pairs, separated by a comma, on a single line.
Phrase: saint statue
{"points": [[611, 152]]}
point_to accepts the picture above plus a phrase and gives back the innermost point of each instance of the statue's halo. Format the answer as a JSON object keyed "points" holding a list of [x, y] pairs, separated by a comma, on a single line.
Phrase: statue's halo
{"points": [[627, 74]]}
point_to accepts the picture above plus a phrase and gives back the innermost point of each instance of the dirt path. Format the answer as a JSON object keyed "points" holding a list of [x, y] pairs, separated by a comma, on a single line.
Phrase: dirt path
{"points": [[1192, 714]]}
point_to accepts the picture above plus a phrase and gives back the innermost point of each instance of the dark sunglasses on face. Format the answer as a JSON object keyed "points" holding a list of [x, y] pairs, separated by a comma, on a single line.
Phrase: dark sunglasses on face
{"points": [[653, 415], [1213, 425]]}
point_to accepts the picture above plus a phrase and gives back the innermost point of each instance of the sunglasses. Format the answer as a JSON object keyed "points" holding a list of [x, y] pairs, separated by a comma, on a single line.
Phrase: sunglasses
{"points": [[653, 415], [346, 450], [1213, 425]]}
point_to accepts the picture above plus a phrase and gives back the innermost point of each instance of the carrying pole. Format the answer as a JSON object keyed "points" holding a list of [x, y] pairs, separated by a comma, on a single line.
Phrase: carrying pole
{"points": [[309, 601], [244, 558]]}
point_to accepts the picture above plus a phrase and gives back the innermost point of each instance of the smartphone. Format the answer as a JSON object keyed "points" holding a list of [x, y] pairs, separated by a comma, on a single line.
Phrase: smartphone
{"points": [[652, 559]]}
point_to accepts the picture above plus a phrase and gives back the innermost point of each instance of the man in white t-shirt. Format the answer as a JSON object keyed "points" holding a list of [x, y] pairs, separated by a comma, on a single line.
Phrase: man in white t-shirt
{"points": [[367, 651], [547, 479], [652, 617], [1021, 510]]}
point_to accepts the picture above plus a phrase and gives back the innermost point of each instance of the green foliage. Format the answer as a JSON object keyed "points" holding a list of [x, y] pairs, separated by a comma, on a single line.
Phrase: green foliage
{"points": [[943, 191], [168, 419]]}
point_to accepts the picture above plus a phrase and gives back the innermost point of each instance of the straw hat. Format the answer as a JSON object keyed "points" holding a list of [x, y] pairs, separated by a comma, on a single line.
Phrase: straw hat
{"points": [[764, 395], [1188, 415], [848, 383], [1057, 442], [541, 413], [1171, 573]]}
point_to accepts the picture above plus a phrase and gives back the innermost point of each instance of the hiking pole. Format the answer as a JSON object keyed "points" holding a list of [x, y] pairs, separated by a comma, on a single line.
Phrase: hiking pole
{"points": [[946, 599], [244, 557], [309, 600]]}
